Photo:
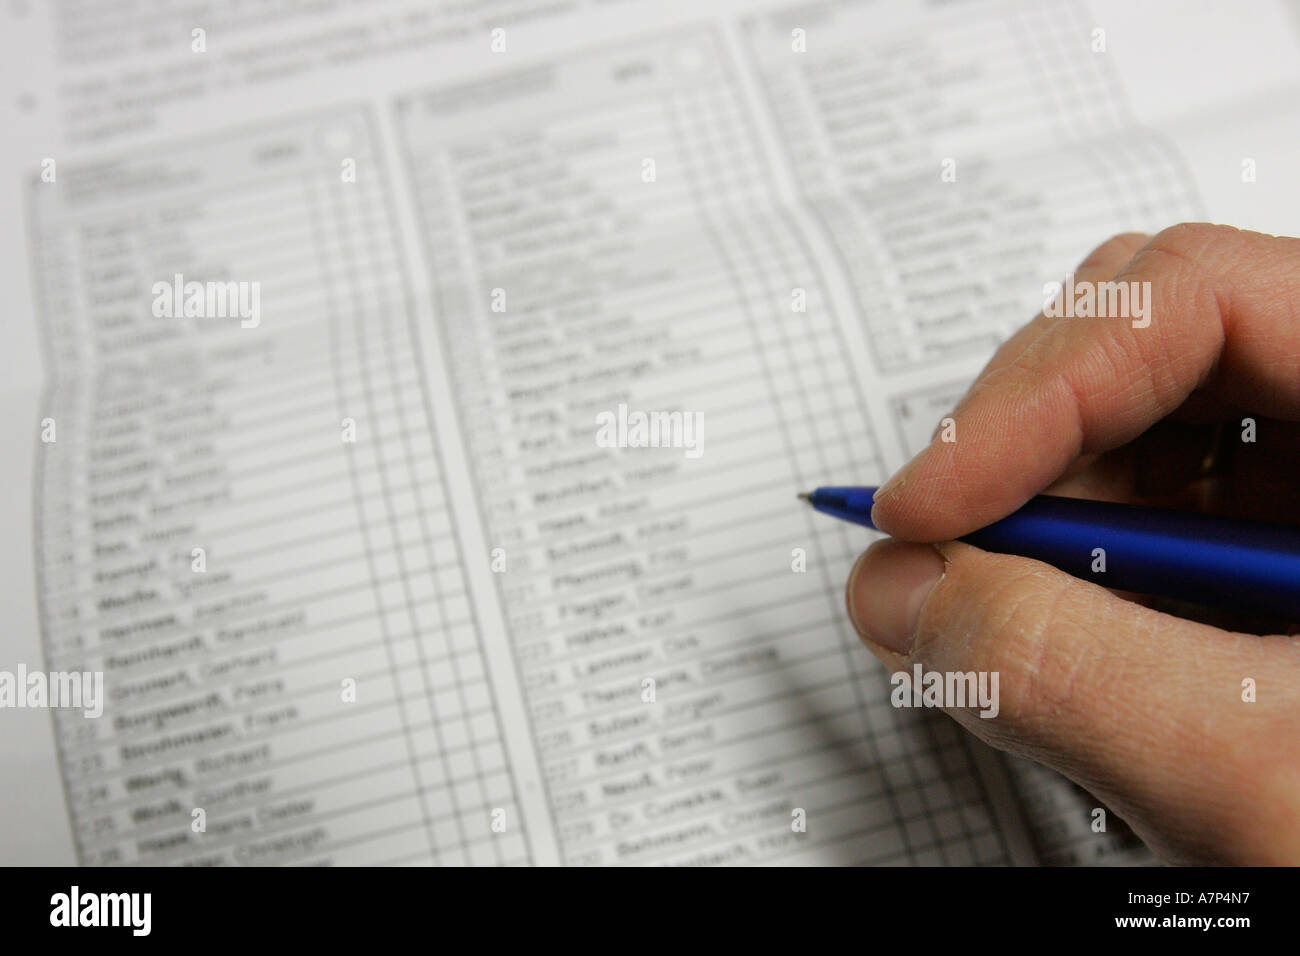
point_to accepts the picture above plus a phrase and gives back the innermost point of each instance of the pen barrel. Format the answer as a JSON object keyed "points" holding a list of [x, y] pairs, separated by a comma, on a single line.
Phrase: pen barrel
{"points": [[1244, 565]]}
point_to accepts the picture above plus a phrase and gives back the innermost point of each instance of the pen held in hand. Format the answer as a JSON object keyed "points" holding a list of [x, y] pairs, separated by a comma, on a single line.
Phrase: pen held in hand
{"points": [[1221, 562]]}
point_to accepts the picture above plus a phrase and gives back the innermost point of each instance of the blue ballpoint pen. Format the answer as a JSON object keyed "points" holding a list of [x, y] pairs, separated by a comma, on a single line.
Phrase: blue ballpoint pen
{"points": [[1223, 562]]}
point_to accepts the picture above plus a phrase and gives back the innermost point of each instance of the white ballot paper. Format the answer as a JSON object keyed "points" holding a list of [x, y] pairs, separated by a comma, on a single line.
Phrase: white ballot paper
{"points": [[328, 328]]}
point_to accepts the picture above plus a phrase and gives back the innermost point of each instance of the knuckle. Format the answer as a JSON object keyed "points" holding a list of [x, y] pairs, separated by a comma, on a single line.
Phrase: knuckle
{"points": [[1114, 251], [1193, 238], [1037, 673], [1193, 251], [993, 614], [1020, 620]]}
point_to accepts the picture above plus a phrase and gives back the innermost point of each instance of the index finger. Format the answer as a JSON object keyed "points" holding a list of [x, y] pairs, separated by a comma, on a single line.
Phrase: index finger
{"points": [[1222, 313]]}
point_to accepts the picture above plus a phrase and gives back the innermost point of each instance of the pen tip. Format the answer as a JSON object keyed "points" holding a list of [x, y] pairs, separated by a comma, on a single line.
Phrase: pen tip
{"points": [[805, 496]]}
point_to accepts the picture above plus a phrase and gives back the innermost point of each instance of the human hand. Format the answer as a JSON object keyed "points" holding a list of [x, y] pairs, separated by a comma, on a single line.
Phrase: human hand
{"points": [[1142, 708]]}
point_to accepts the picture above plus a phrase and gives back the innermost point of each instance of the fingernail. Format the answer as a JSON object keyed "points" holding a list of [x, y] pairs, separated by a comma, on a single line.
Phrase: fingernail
{"points": [[894, 483], [887, 587]]}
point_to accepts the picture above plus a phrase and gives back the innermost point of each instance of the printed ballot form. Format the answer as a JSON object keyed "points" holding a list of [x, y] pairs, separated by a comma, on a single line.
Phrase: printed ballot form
{"points": [[334, 335]]}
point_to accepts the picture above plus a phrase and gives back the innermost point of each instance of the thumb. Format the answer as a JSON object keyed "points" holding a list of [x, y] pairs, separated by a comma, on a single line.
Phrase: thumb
{"points": [[1143, 709]]}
